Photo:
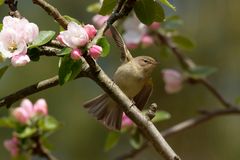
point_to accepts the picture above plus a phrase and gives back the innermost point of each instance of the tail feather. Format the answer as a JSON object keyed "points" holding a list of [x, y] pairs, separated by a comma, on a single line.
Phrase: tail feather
{"points": [[110, 114]]}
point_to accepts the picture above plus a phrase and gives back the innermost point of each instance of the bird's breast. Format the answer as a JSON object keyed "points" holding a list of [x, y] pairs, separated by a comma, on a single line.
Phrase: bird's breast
{"points": [[130, 79]]}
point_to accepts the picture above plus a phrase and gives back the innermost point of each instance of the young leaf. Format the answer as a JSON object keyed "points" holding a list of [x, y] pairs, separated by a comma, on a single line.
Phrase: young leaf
{"points": [[94, 8], [69, 69], [1, 25], [161, 116], [136, 140], [111, 141], [3, 69], [201, 72], [105, 46], [107, 7], [64, 51], [172, 22], [48, 123], [168, 4], [149, 11], [43, 38], [183, 42], [7, 122], [27, 132]]}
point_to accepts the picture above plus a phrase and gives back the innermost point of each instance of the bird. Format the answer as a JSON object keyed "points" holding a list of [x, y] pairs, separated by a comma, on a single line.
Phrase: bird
{"points": [[133, 77]]}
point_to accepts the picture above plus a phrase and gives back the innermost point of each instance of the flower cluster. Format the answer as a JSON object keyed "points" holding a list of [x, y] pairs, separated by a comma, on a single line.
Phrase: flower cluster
{"points": [[137, 33], [173, 80], [15, 35], [27, 110], [77, 37]]}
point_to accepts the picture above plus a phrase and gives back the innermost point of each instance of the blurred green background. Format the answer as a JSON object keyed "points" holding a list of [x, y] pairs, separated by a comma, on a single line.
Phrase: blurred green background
{"points": [[213, 25]]}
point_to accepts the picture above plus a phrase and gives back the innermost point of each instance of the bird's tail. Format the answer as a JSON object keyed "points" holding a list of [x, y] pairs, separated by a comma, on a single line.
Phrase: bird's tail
{"points": [[110, 114]]}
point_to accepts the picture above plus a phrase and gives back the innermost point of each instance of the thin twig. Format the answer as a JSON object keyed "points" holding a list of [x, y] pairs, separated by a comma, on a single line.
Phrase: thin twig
{"points": [[12, 4], [182, 126]]}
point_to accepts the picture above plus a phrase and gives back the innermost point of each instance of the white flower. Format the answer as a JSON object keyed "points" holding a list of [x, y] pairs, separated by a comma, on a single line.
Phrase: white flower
{"points": [[20, 60], [11, 44], [75, 36]]}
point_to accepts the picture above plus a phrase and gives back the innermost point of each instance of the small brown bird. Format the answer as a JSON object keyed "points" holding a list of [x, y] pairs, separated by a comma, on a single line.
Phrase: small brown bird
{"points": [[133, 77]]}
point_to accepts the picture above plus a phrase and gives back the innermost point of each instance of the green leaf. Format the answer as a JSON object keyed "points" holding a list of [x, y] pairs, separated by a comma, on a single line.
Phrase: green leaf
{"points": [[136, 140], [43, 38], [48, 123], [111, 141], [183, 42], [107, 7], [64, 51], [34, 54], [94, 8], [161, 116], [69, 69], [168, 4], [172, 22], [1, 25], [149, 11], [103, 42], [27, 132], [237, 100], [7, 122], [201, 72], [3, 69]]}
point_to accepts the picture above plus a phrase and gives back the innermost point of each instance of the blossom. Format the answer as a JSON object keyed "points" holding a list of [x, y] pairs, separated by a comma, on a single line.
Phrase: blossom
{"points": [[173, 80], [76, 54], [126, 122], [40, 107], [91, 30], [12, 146], [11, 43], [20, 60], [14, 37], [75, 36], [27, 31], [21, 115], [27, 110], [95, 51], [99, 20], [147, 40]]}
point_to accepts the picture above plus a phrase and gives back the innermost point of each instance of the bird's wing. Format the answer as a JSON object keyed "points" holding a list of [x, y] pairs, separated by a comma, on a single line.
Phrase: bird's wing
{"points": [[125, 54], [142, 97]]}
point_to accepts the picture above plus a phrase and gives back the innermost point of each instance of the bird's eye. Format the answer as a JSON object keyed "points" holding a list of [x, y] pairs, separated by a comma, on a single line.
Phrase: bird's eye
{"points": [[145, 61]]}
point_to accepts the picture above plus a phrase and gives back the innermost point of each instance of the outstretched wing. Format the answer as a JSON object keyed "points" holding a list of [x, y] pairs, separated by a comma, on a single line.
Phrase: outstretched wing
{"points": [[142, 97], [125, 54]]}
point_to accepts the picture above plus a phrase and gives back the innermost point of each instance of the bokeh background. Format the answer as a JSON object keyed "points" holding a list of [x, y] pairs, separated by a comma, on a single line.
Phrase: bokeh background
{"points": [[213, 25]]}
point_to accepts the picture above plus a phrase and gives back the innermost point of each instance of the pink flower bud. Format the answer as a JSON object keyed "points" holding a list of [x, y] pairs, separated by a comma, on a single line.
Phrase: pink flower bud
{"points": [[27, 105], [60, 39], [95, 51], [173, 80], [12, 146], [21, 115], [99, 20], [147, 40], [91, 31], [132, 45], [155, 26], [126, 122], [40, 107], [20, 60], [76, 54]]}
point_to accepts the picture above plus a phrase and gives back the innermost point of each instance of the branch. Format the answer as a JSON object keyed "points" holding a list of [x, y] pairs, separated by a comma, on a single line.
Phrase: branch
{"points": [[188, 64], [182, 126], [12, 4], [98, 75]]}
